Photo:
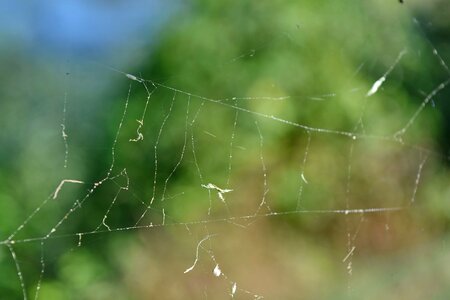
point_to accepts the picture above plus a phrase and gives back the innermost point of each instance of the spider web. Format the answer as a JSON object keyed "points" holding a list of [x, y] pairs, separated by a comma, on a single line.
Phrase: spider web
{"points": [[215, 178]]}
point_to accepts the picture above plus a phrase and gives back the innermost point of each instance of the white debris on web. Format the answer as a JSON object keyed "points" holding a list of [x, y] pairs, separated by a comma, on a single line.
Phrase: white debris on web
{"points": [[380, 81], [376, 86], [217, 272], [80, 235], [233, 289], [132, 77], [58, 189], [349, 254], [303, 178], [197, 253], [139, 136], [219, 191], [104, 222]]}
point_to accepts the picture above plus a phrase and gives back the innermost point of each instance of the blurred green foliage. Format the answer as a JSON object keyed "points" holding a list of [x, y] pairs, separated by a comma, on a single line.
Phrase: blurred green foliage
{"points": [[214, 65]]}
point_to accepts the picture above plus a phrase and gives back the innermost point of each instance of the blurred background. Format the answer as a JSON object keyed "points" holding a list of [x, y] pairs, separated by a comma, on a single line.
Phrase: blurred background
{"points": [[201, 181]]}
